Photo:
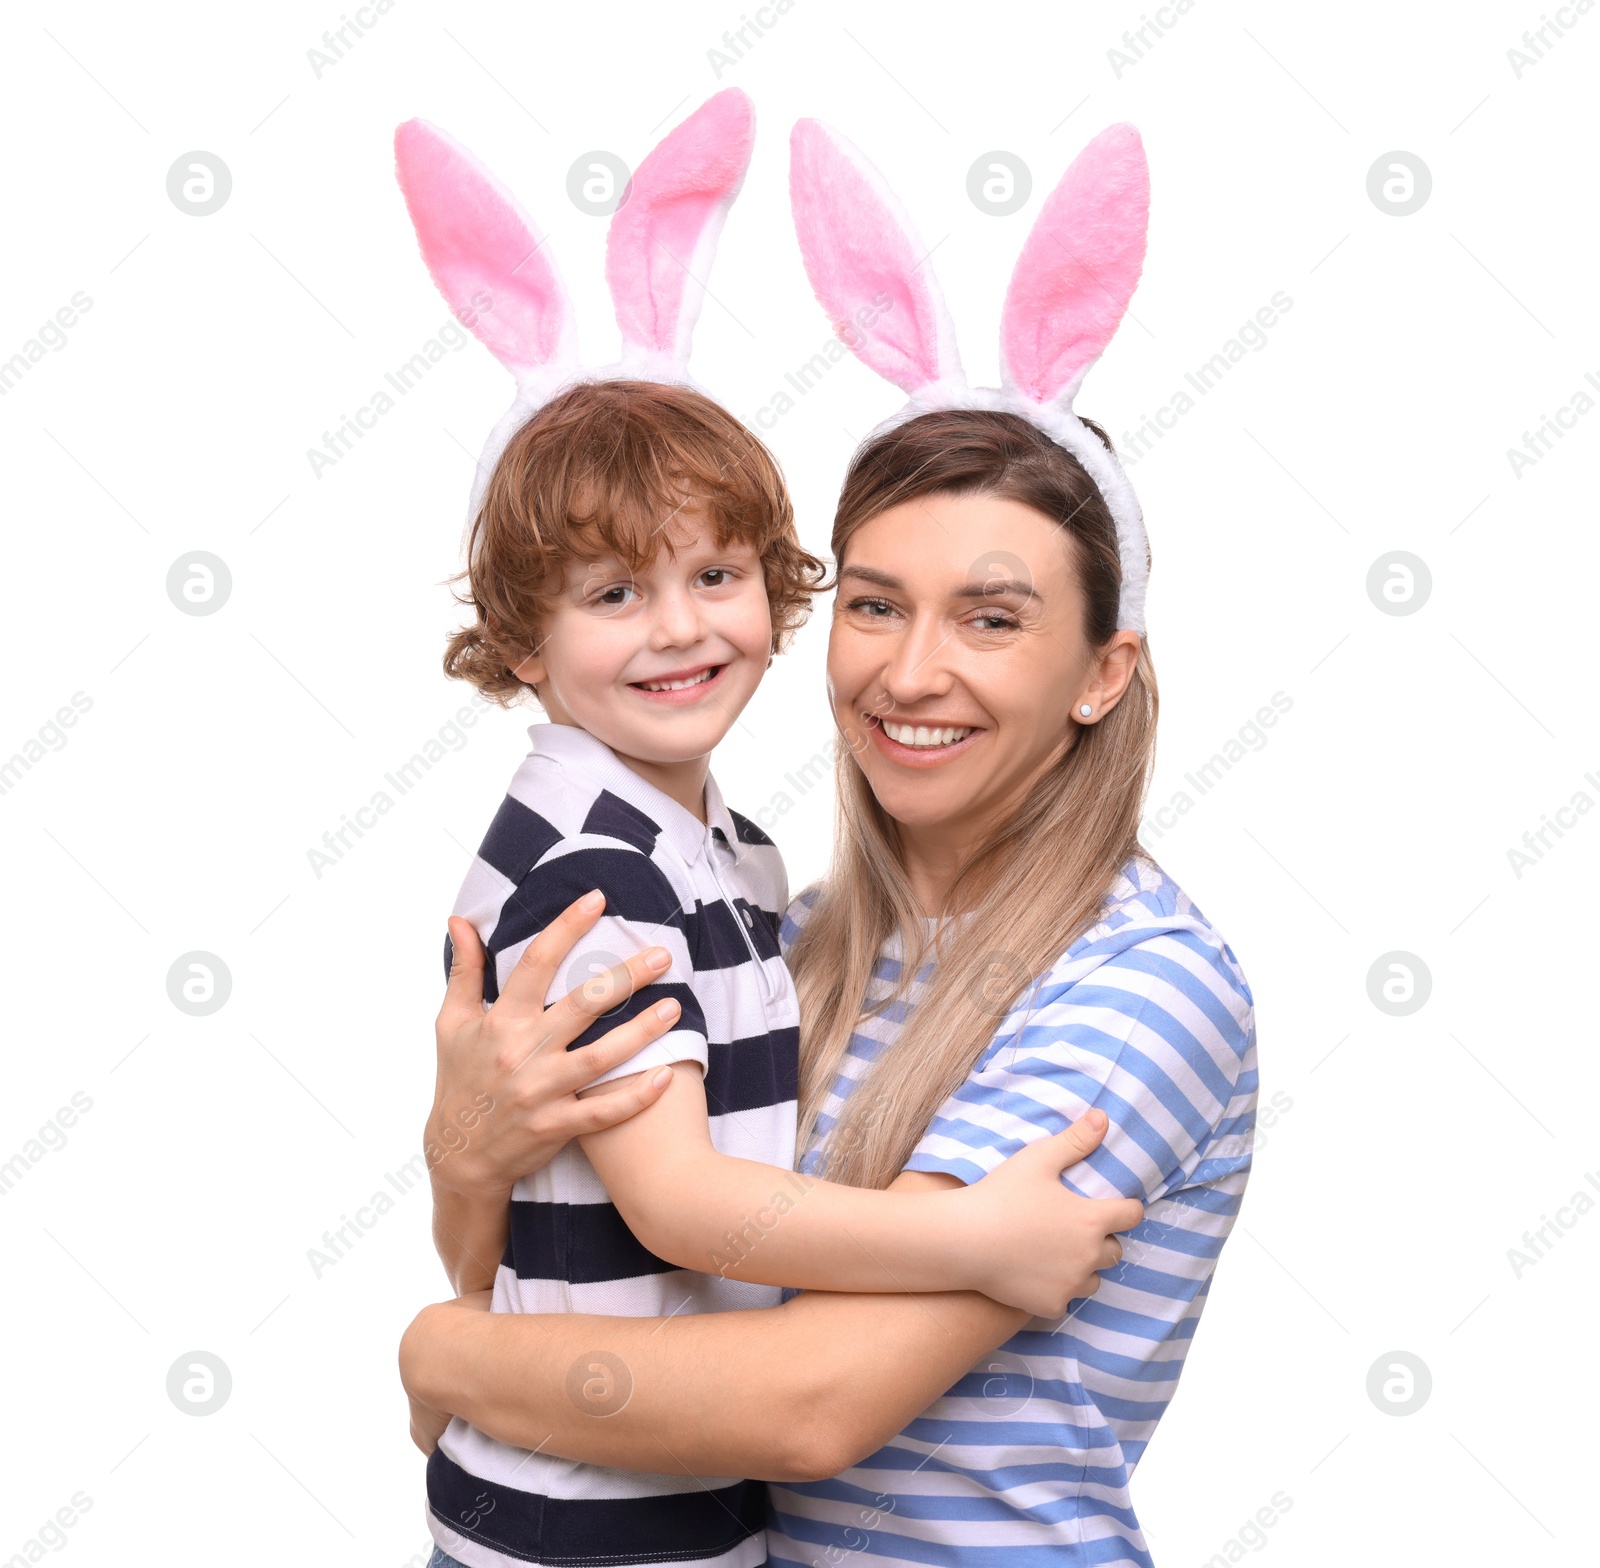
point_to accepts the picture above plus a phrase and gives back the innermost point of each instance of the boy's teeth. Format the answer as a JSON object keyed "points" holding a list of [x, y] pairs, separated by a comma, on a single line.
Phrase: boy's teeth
{"points": [[693, 680], [921, 735]]}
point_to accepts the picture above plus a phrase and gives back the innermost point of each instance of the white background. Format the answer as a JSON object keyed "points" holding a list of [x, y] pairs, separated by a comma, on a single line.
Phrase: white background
{"points": [[217, 750]]}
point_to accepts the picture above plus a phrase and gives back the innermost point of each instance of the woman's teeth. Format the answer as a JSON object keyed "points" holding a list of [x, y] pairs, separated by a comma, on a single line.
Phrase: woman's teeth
{"points": [[693, 680], [921, 735]]}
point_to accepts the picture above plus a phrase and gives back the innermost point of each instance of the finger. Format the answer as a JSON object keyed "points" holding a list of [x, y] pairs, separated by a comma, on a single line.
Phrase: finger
{"points": [[604, 992], [463, 996], [610, 988], [600, 1111], [529, 981], [1080, 1139], [1112, 1255], [615, 1046], [1124, 1214]]}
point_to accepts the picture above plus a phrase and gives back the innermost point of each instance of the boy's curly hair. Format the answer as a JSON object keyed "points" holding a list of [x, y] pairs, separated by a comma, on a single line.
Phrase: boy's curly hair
{"points": [[603, 467]]}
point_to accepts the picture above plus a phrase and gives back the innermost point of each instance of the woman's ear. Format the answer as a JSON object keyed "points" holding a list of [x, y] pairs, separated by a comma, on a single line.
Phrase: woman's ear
{"points": [[1109, 679]]}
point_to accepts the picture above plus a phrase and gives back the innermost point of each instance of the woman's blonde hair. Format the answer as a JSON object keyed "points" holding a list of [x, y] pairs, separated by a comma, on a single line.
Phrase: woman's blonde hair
{"points": [[1025, 894]]}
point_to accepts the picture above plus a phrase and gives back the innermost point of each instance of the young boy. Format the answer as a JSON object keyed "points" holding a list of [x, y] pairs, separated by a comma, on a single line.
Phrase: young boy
{"points": [[636, 565]]}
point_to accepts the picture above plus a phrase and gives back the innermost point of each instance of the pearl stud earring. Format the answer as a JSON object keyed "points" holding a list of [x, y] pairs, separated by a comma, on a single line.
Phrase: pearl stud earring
{"points": [[1086, 710]]}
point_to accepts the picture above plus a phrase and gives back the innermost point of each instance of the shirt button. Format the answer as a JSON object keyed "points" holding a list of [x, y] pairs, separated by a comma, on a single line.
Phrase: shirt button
{"points": [[747, 920]]}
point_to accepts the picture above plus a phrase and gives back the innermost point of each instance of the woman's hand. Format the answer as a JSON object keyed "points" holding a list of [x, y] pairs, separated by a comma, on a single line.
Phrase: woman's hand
{"points": [[1034, 1243], [427, 1422], [505, 1100]]}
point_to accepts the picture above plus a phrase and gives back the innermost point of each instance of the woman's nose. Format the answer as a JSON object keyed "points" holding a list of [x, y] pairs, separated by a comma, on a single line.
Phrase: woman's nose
{"points": [[916, 667]]}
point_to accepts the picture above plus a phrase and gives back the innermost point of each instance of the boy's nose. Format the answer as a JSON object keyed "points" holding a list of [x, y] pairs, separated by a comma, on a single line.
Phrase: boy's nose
{"points": [[677, 622]]}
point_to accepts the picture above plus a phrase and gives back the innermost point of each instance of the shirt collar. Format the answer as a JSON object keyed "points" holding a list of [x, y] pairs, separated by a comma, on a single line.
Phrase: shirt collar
{"points": [[578, 749]]}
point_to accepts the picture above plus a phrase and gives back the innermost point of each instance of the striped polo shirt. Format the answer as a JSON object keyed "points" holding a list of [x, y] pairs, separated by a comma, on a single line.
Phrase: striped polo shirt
{"points": [[1026, 1461], [711, 894]]}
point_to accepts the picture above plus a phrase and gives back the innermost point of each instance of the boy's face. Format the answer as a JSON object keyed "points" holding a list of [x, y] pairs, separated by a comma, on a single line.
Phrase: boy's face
{"points": [[613, 639]]}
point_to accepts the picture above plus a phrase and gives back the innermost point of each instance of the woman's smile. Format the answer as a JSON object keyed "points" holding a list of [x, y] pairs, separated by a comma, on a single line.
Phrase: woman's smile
{"points": [[920, 743], [938, 656]]}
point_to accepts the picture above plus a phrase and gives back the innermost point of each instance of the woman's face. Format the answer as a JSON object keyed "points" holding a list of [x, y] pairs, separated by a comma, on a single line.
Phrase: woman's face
{"points": [[957, 660]]}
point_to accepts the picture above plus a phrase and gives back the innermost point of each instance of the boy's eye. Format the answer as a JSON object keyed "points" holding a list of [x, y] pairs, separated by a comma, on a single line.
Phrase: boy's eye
{"points": [[610, 597], [720, 573]]}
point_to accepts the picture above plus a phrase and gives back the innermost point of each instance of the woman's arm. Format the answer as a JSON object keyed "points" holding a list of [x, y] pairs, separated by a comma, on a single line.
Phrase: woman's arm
{"points": [[505, 1097], [791, 1393]]}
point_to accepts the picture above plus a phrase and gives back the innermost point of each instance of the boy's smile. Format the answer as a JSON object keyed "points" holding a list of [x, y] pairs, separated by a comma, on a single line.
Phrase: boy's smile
{"points": [[657, 662], [687, 685]]}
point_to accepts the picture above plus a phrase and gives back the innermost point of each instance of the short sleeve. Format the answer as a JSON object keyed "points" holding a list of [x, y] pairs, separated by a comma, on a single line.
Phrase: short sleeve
{"points": [[1160, 1036], [643, 909]]}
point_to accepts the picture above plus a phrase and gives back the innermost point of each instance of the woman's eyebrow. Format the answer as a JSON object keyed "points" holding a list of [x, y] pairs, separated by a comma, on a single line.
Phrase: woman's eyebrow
{"points": [[997, 588], [986, 588], [871, 574]]}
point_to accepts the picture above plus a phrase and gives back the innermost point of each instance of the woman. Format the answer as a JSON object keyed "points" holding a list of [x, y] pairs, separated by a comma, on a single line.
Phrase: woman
{"points": [[990, 955]]}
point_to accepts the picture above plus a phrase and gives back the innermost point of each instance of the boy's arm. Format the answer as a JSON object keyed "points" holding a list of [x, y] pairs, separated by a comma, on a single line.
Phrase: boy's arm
{"points": [[1019, 1235]]}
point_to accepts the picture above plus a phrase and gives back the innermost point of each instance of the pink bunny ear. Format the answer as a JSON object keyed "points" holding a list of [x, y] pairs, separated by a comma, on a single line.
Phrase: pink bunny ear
{"points": [[1078, 269], [866, 263], [664, 235], [484, 252]]}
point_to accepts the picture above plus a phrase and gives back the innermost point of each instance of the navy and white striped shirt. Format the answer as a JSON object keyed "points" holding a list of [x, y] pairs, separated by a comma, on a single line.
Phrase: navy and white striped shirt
{"points": [[712, 894], [1026, 1461]]}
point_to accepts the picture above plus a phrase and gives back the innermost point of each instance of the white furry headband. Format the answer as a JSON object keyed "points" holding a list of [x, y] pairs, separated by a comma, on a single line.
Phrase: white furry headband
{"points": [[497, 275], [1071, 287]]}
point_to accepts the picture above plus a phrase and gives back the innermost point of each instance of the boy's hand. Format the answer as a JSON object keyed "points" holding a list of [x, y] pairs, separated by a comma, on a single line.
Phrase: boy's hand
{"points": [[1033, 1242], [505, 1101]]}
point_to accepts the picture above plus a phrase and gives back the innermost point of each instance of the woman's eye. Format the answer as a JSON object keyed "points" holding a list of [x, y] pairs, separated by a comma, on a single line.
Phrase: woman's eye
{"points": [[997, 621], [870, 606]]}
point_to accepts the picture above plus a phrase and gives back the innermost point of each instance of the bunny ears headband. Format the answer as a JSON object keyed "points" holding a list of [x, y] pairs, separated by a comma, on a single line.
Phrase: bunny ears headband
{"points": [[1071, 287], [496, 273], [1068, 294]]}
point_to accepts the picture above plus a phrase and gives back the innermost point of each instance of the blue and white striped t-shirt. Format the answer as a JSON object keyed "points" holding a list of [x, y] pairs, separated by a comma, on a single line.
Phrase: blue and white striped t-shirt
{"points": [[711, 893], [1026, 1461]]}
